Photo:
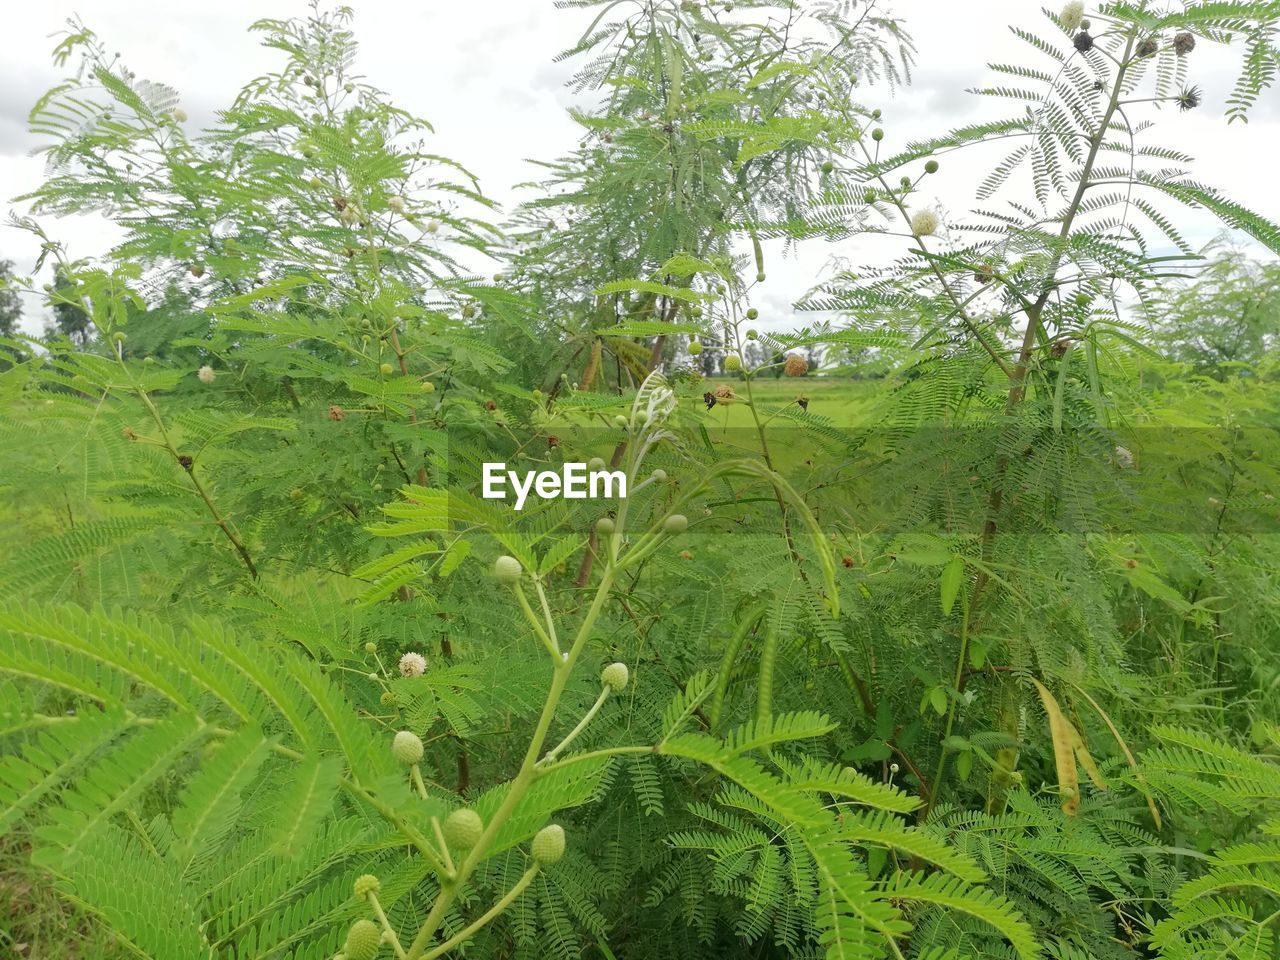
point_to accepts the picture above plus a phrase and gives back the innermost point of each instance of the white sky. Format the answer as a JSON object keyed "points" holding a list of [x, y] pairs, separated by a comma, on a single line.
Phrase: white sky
{"points": [[483, 73]]}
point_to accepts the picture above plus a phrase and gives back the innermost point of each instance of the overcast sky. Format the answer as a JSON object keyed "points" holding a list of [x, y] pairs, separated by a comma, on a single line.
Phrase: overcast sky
{"points": [[483, 73]]}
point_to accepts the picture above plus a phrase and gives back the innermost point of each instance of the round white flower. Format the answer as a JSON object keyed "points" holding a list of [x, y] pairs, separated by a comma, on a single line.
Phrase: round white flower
{"points": [[206, 374], [396, 204], [924, 223], [1072, 16], [179, 115], [413, 665], [1124, 457]]}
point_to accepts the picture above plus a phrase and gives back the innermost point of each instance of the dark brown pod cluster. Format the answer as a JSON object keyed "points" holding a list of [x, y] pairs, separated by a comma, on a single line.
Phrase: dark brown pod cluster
{"points": [[1083, 42]]}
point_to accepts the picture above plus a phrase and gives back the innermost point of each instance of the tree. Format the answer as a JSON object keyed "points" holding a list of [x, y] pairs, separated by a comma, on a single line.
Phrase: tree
{"points": [[1225, 320], [10, 301]]}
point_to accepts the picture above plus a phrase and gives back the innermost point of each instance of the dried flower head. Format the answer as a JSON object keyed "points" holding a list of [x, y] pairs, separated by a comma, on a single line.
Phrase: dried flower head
{"points": [[1083, 42], [1183, 43], [1188, 99], [1148, 47], [1072, 16], [724, 394], [924, 223], [413, 665], [795, 366], [206, 374], [336, 413]]}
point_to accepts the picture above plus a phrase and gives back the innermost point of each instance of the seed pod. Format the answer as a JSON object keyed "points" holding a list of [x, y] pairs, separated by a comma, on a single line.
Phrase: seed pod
{"points": [[676, 523], [507, 570], [407, 748], [548, 844], [363, 940], [615, 677], [463, 828], [1183, 43]]}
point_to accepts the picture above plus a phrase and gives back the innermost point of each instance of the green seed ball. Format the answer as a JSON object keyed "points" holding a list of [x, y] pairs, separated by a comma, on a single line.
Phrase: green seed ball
{"points": [[676, 523], [752, 313], [363, 940], [605, 526], [370, 647], [407, 748], [427, 387], [752, 334], [615, 677], [596, 463], [931, 166], [695, 347], [733, 362], [620, 421], [387, 369], [827, 166], [366, 884], [462, 829], [877, 134], [548, 844], [507, 570]]}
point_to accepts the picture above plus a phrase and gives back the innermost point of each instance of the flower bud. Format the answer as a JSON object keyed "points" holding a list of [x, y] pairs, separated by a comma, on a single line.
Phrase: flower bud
{"points": [[931, 166], [605, 526], [462, 829], [596, 463], [695, 347], [366, 884], [407, 748], [733, 362], [370, 647], [507, 570], [752, 313], [387, 369], [548, 844], [363, 940], [659, 475], [676, 523], [615, 677]]}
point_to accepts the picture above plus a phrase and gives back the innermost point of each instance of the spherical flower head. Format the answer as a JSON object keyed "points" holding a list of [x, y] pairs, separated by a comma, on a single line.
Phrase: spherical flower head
{"points": [[724, 394], [413, 665], [827, 166], [388, 699], [548, 844], [407, 748], [387, 369], [433, 227], [507, 570], [1183, 43], [924, 223], [1072, 16], [676, 523], [462, 829], [752, 313], [337, 414], [605, 526], [396, 204], [931, 166], [370, 647], [350, 215], [206, 374], [615, 677], [366, 884], [363, 940], [695, 347], [427, 387], [179, 115], [596, 463], [753, 334], [733, 362], [659, 476], [1124, 457], [877, 134], [1083, 42], [795, 365]]}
